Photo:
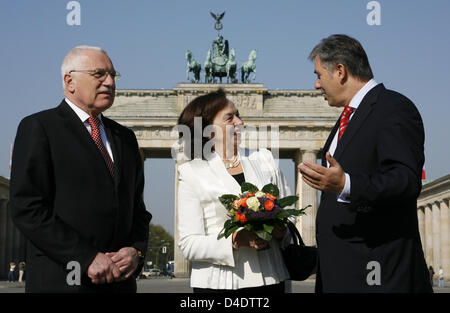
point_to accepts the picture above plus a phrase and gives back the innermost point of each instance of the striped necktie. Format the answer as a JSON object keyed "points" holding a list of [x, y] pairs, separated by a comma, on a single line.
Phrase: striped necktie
{"points": [[95, 134], [345, 119]]}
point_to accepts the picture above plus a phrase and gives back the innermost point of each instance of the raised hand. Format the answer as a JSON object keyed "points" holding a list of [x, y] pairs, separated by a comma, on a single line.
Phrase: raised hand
{"points": [[330, 179]]}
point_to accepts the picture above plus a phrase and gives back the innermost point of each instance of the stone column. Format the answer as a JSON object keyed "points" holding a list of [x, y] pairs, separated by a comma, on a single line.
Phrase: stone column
{"points": [[445, 238], [308, 196], [428, 235], [182, 267], [421, 219], [436, 236], [298, 189]]}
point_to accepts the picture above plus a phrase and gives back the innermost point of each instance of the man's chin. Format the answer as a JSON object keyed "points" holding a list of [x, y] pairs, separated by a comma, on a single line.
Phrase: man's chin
{"points": [[103, 105]]}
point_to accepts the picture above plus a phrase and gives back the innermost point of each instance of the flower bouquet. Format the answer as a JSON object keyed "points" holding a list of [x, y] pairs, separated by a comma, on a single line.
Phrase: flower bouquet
{"points": [[257, 210]]}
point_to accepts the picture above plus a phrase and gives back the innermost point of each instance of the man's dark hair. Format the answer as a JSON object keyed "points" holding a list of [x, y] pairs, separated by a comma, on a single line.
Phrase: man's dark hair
{"points": [[206, 107], [345, 50]]}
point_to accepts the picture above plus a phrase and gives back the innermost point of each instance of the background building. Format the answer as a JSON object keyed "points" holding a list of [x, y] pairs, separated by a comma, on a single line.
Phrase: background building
{"points": [[12, 242], [434, 223]]}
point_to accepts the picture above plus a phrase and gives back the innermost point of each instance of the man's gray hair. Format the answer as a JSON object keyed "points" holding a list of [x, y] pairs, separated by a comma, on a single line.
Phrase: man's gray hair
{"points": [[343, 49], [72, 60]]}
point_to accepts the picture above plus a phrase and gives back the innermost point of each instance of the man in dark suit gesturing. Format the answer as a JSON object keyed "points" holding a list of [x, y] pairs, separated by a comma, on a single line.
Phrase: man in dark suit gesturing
{"points": [[366, 227], [76, 187]]}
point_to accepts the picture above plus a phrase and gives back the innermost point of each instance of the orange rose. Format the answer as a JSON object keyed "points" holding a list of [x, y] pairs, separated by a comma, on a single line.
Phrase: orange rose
{"points": [[240, 217], [236, 203], [243, 202], [250, 195], [268, 205], [271, 197]]}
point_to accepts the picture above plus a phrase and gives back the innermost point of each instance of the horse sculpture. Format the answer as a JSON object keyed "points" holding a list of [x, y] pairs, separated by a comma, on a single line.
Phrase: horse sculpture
{"points": [[208, 68], [192, 66], [231, 67], [248, 68]]}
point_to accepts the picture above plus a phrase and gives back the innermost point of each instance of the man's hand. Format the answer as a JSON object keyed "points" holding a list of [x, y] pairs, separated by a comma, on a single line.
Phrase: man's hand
{"points": [[330, 179], [126, 260], [102, 270]]}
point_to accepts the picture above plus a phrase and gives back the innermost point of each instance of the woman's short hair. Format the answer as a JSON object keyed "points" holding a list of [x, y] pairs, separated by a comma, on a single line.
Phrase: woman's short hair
{"points": [[205, 107], [345, 50]]}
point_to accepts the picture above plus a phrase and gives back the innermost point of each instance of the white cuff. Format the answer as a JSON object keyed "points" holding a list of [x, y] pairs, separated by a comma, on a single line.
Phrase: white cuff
{"points": [[345, 194]]}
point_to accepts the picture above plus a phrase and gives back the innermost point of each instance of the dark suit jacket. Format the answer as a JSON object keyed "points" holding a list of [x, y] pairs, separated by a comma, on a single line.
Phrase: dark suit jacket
{"points": [[382, 151], [67, 204]]}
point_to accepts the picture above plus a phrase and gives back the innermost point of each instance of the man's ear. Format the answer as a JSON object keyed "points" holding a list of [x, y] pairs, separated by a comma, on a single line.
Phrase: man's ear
{"points": [[341, 73], [69, 82]]}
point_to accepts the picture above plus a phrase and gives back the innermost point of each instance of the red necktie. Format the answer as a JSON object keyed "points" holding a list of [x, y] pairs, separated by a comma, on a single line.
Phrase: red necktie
{"points": [[95, 134], [345, 119]]}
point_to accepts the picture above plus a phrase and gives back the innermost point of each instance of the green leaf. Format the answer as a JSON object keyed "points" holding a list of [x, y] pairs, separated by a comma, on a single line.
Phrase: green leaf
{"points": [[268, 228], [289, 212], [287, 201], [221, 234], [227, 200], [272, 189], [247, 187], [227, 224], [264, 235], [231, 230]]}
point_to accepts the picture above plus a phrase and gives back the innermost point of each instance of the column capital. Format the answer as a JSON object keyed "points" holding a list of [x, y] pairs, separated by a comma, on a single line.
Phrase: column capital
{"points": [[301, 153], [313, 150]]}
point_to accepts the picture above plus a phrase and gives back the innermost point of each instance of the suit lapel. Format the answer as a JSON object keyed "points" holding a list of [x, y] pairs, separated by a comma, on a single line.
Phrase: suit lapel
{"points": [[218, 168], [250, 173], [115, 141], [76, 126], [358, 119]]}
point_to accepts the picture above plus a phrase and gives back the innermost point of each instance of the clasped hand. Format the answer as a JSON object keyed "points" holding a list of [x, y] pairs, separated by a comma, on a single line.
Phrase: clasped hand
{"points": [[113, 266]]}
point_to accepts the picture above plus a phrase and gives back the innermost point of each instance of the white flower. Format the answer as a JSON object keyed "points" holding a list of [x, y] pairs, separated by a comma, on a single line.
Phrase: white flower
{"points": [[253, 204], [260, 194]]}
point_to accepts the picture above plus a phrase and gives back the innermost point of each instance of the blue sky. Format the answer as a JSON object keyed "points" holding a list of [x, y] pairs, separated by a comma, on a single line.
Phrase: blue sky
{"points": [[409, 52]]}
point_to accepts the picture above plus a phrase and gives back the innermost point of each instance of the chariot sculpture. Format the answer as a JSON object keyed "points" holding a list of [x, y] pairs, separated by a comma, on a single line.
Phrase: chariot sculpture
{"points": [[220, 61]]}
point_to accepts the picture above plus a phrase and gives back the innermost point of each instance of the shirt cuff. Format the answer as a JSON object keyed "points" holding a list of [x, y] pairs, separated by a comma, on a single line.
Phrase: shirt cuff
{"points": [[345, 194]]}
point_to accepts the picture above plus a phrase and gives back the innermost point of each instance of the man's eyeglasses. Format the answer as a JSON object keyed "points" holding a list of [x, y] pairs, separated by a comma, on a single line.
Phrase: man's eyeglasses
{"points": [[100, 73]]}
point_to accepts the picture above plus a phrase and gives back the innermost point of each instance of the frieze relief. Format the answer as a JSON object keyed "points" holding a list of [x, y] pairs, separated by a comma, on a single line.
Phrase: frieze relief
{"points": [[155, 133], [292, 133]]}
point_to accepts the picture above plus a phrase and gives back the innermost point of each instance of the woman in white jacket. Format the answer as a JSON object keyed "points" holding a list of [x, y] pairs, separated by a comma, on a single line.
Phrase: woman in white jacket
{"points": [[242, 261]]}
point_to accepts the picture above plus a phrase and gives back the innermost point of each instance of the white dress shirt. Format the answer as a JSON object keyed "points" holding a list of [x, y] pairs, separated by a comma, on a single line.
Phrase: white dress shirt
{"points": [[84, 118], [354, 103]]}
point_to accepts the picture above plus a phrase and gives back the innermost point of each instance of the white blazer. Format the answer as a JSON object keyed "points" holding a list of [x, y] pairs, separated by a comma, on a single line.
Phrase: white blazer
{"points": [[215, 264]]}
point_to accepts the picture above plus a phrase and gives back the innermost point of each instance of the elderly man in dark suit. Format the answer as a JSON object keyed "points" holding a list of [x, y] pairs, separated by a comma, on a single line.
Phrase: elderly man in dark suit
{"points": [[366, 226], [76, 187]]}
